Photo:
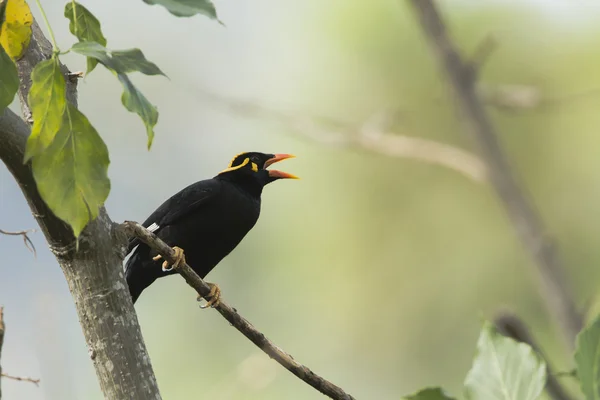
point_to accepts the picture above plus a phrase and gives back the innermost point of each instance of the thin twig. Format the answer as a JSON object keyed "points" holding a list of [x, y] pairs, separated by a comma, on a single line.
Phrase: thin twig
{"points": [[26, 239], [527, 223], [36, 382], [235, 319], [512, 326], [2, 374]]}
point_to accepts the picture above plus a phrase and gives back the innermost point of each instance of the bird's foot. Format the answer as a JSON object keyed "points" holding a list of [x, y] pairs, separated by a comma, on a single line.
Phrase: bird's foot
{"points": [[179, 258], [213, 299]]}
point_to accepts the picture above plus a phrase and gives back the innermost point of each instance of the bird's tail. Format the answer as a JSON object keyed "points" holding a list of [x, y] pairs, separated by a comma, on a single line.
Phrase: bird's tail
{"points": [[138, 276]]}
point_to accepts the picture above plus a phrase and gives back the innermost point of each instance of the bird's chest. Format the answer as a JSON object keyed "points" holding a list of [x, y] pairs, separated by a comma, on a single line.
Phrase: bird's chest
{"points": [[214, 231], [236, 213]]}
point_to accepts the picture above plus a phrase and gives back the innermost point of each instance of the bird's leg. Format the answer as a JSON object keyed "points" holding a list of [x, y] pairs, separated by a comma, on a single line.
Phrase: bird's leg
{"points": [[179, 258], [213, 299]]}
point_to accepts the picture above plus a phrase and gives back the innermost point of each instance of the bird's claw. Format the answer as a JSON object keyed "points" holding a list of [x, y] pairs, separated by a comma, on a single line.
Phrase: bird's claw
{"points": [[213, 299], [179, 258]]}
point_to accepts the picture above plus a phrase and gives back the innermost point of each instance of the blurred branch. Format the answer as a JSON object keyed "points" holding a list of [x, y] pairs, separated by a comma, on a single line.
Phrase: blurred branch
{"points": [[512, 326], [511, 97], [235, 319], [482, 53], [514, 98], [373, 135], [527, 223], [26, 239]]}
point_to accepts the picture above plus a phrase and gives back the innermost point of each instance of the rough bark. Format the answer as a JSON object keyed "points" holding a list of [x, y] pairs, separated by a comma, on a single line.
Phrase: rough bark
{"points": [[94, 270]]}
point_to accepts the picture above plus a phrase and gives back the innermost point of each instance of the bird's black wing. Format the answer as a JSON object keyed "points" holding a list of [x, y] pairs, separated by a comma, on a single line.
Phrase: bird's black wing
{"points": [[179, 205]]}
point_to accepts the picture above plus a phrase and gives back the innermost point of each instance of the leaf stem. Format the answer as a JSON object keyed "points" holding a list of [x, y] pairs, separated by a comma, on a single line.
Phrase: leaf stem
{"points": [[56, 50]]}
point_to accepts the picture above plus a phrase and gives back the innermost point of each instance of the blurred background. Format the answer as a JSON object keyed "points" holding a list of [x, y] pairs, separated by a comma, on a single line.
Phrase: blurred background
{"points": [[376, 269]]}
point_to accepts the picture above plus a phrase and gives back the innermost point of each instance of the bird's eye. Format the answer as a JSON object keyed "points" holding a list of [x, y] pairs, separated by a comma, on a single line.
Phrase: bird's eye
{"points": [[254, 159]]}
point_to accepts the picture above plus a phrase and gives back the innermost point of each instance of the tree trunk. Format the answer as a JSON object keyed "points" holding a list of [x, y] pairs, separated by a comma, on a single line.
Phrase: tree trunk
{"points": [[93, 269]]}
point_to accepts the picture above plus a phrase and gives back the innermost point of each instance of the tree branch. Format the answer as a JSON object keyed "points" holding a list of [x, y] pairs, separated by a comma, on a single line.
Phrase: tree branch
{"points": [[36, 382], [526, 221], [240, 323], [26, 240], [512, 326], [94, 272]]}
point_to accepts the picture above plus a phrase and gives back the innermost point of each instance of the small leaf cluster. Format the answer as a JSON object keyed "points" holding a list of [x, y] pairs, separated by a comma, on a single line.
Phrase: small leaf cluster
{"points": [[68, 157], [504, 369]]}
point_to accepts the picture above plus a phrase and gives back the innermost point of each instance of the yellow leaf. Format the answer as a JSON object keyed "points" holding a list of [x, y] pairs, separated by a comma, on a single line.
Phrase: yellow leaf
{"points": [[16, 29]]}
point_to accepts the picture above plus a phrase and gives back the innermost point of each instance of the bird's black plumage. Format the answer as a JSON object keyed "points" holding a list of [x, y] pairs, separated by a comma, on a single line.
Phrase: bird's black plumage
{"points": [[207, 219]]}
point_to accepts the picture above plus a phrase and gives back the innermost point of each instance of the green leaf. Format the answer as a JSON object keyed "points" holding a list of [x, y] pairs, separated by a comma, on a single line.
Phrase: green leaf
{"points": [[47, 99], [133, 60], [429, 394], [94, 50], [504, 369], [587, 360], [136, 102], [86, 27], [71, 174], [9, 80], [122, 62], [187, 8]]}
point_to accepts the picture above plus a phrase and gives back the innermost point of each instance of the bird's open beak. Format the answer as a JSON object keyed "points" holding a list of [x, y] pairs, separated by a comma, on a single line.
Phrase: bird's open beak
{"points": [[279, 174]]}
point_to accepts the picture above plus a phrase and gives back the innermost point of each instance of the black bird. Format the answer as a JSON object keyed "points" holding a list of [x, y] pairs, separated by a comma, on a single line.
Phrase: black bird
{"points": [[208, 219]]}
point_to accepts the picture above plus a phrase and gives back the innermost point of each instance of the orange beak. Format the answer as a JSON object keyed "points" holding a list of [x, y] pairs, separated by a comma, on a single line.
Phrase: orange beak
{"points": [[279, 174]]}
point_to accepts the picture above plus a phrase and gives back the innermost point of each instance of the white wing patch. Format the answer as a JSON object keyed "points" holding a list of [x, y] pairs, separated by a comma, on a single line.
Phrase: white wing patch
{"points": [[153, 227]]}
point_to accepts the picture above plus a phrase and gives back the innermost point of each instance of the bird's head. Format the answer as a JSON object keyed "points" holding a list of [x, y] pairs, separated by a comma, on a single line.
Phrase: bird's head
{"points": [[251, 168]]}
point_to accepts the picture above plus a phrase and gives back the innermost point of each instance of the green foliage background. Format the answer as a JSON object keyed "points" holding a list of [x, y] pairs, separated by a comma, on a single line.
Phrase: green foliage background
{"points": [[372, 270]]}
